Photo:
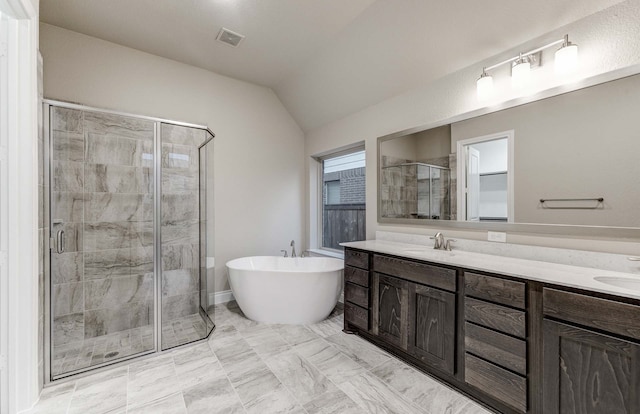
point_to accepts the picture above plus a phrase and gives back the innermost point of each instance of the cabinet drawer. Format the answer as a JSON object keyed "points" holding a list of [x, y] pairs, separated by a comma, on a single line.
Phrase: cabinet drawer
{"points": [[422, 273], [495, 289], [357, 316], [357, 276], [500, 318], [496, 382], [503, 350], [356, 294], [608, 315], [356, 259]]}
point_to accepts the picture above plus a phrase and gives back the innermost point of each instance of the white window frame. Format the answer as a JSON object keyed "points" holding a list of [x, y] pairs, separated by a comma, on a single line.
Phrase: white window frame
{"points": [[315, 194]]}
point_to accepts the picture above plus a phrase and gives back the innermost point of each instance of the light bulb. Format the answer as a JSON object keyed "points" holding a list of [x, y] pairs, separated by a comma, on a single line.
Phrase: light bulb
{"points": [[521, 73], [566, 60], [484, 86]]}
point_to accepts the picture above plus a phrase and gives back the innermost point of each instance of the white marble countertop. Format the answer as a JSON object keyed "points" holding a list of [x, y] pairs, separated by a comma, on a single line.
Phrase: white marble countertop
{"points": [[558, 274]]}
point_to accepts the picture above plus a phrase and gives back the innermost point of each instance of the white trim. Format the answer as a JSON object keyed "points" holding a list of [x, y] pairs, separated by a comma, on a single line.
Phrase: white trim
{"points": [[4, 278], [328, 253], [462, 175], [220, 297], [19, 221]]}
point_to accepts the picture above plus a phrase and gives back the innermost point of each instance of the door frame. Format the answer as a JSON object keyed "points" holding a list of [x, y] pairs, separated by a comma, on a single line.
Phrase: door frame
{"points": [[462, 177], [19, 339]]}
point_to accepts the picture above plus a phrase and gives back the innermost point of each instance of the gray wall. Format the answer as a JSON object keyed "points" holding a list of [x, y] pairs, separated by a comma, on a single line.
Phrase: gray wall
{"points": [[577, 145], [259, 149], [455, 94]]}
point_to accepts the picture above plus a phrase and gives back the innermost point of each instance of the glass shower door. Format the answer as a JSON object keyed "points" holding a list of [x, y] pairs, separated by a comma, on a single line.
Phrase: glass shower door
{"points": [[183, 316], [102, 273]]}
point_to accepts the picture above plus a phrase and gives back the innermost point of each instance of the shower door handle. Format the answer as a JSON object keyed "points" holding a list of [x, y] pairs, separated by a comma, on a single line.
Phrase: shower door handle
{"points": [[60, 242]]}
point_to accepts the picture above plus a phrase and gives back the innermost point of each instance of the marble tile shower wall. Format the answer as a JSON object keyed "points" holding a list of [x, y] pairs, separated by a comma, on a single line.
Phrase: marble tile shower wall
{"points": [[180, 236], [399, 189], [101, 195]]}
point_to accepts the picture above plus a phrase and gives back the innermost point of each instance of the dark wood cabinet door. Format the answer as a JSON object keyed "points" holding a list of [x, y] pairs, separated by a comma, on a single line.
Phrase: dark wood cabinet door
{"points": [[589, 373], [390, 309], [432, 326]]}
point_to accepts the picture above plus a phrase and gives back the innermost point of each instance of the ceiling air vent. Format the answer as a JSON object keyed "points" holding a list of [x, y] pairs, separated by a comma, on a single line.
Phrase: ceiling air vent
{"points": [[230, 38]]}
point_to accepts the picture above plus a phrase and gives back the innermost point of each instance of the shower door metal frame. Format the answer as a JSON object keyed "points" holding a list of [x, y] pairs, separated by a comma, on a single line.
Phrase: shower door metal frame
{"points": [[157, 248]]}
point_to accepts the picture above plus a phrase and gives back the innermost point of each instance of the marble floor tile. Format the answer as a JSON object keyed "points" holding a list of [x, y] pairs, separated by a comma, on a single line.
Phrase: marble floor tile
{"points": [[374, 396], [327, 327], [213, 396], [195, 365], [329, 360], [423, 390], [333, 402], [361, 351], [255, 384], [100, 393], [304, 380], [173, 404], [251, 367], [233, 352], [265, 341], [151, 379], [295, 334], [278, 401], [54, 400]]}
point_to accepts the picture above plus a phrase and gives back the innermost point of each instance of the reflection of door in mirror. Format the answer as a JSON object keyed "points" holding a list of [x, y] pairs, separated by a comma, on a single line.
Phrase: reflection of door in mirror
{"points": [[485, 175], [473, 184]]}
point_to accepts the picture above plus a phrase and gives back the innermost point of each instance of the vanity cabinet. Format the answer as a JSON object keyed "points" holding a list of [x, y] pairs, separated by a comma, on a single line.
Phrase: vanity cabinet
{"points": [[415, 310], [591, 354], [356, 290], [495, 338], [432, 326], [515, 345], [391, 309]]}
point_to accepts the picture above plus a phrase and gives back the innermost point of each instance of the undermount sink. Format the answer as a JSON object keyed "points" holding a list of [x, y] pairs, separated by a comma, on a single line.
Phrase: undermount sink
{"points": [[415, 251], [425, 251], [621, 282]]}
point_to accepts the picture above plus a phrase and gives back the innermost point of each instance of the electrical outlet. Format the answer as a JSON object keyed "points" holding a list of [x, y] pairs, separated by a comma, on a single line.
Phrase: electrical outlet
{"points": [[497, 236]]}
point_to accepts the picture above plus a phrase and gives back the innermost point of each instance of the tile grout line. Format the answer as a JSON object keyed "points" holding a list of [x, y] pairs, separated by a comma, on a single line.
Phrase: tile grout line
{"points": [[329, 379], [276, 375], [226, 375], [402, 397]]}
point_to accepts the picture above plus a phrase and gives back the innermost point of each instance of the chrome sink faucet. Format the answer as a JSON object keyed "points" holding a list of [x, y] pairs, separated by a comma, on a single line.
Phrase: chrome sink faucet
{"points": [[440, 243], [293, 248]]}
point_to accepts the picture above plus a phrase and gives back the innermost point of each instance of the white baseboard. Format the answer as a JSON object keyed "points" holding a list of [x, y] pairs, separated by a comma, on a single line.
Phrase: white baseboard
{"points": [[220, 297]]}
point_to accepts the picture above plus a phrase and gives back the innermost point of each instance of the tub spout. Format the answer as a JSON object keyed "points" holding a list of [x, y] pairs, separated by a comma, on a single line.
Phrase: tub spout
{"points": [[293, 248], [285, 253]]}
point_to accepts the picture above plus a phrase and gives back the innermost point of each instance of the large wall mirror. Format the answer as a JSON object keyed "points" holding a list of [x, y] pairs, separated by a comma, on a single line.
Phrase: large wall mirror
{"points": [[565, 164]]}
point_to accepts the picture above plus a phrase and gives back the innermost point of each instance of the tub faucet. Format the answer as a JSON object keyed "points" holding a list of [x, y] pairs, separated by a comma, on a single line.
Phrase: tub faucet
{"points": [[285, 253], [293, 248]]}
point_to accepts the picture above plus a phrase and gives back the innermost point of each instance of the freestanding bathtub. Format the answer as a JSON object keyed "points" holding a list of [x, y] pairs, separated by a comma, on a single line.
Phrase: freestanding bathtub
{"points": [[286, 290]]}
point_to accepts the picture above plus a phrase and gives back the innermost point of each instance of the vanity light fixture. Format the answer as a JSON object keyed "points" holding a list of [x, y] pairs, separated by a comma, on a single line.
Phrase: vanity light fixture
{"points": [[485, 86], [521, 72], [566, 59]]}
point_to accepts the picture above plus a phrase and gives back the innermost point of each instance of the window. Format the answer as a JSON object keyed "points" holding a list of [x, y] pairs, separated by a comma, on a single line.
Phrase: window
{"points": [[343, 198]]}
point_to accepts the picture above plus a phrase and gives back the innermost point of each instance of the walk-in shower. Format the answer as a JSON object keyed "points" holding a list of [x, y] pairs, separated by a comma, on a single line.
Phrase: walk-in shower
{"points": [[130, 213]]}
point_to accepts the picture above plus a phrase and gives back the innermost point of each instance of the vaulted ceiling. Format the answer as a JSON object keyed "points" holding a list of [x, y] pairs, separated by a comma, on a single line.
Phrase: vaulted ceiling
{"points": [[325, 59]]}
